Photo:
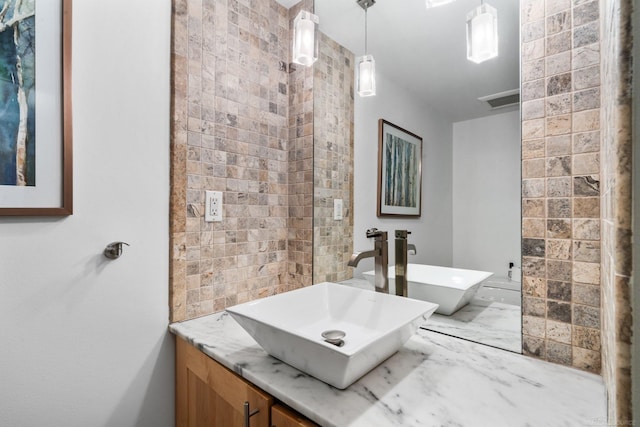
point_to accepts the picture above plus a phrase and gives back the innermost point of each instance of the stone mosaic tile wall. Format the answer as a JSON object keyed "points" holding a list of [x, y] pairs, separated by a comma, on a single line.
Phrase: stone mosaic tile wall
{"points": [[230, 132], [300, 172], [561, 181], [333, 158], [616, 201]]}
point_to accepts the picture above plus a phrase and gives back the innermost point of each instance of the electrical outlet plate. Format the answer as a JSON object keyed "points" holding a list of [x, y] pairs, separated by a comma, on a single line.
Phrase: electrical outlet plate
{"points": [[337, 209], [213, 206]]}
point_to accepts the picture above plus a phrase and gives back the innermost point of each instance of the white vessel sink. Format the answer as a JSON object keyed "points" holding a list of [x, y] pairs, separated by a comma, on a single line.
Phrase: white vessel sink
{"points": [[289, 326], [450, 288]]}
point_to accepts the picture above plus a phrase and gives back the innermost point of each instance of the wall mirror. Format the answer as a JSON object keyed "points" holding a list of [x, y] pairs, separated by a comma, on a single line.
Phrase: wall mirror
{"points": [[470, 216]]}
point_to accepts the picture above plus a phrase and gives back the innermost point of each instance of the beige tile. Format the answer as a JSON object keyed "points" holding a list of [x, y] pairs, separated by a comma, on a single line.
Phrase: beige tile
{"points": [[584, 78], [557, 64], [588, 360], [532, 10], [533, 307], [586, 229], [533, 90], [558, 145], [559, 207], [586, 250], [533, 70], [559, 187], [558, 249], [559, 228], [586, 272], [585, 56], [558, 166], [555, 6], [533, 326], [533, 168], [533, 148], [533, 50], [534, 286], [586, 207], [558, 331], [533, 109], [559, 125], [533, 227], [559, 104], [586, 294], [587, 338], [559, 22], [586, 34], [532, 188], [533, 346], [585, 121], [532, 31], [558, 43]]}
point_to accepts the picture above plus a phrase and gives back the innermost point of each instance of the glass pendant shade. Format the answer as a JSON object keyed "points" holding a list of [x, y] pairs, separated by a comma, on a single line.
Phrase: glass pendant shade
{"points": [[305, 38], [366, 78], [482, 33], [436, 3]]}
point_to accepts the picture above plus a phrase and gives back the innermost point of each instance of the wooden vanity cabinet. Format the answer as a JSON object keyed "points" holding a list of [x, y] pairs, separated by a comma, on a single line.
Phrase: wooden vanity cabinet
{"points": [[283, 417], [208, 394]]}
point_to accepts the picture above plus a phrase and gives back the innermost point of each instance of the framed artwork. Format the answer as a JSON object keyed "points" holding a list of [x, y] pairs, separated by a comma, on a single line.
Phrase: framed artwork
{"points": [[399, 171], [35, 108]]}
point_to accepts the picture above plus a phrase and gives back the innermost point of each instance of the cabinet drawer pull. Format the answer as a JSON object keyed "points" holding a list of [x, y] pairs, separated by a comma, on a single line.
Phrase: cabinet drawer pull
{"points": [[248, 413]]}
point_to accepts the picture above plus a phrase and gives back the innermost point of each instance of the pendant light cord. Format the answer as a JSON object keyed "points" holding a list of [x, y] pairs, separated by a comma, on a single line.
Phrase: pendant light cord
{"points": [[365, 29]]}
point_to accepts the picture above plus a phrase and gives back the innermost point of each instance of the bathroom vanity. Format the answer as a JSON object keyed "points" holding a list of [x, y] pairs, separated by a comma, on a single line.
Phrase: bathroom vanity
{"points": [[210, 394], [432, 380]]}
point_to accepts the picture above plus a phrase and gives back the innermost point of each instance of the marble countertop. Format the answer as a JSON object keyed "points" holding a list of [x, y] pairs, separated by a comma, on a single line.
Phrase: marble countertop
{"points": [[433, 380], [486, 322]]}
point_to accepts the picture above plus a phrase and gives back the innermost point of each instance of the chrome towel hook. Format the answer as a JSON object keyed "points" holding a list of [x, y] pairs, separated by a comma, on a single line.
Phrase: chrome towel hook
{"points": [[114, 250]]}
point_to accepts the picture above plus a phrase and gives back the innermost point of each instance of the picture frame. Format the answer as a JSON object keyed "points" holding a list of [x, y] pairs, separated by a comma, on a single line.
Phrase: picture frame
{"points": [[50, 193], [399, 171]]}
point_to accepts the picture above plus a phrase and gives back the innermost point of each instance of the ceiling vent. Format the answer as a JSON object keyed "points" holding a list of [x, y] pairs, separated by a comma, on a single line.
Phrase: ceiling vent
{"points": [[502, 99]]}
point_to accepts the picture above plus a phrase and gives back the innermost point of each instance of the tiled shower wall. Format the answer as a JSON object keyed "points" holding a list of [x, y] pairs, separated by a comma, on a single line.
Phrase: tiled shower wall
{"points": [[616, 201], [231, 133], [333, 161], [561, 181]]}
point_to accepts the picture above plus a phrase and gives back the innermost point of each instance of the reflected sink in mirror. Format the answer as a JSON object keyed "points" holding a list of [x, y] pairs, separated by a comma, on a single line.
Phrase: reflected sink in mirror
{"points": [[289, 326], [450, 288]]}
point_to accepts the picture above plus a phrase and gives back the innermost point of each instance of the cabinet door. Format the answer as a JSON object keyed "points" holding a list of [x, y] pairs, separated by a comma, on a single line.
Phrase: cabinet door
{"points": [[208, 394], [283, 417]]}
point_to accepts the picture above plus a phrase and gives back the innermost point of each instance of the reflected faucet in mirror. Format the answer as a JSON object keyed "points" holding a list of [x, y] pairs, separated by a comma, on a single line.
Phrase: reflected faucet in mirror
{"points": [[380, 254], [402, 251]]}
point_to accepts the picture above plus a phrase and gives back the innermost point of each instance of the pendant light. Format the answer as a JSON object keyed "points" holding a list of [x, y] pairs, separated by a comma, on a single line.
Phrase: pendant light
{"points": [[482, 33], [366, 65], [305, 38], [436, 3]]}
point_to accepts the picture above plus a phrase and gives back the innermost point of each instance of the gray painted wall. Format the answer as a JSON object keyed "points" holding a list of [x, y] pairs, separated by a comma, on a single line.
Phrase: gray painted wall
{"points": [[84, 340]]}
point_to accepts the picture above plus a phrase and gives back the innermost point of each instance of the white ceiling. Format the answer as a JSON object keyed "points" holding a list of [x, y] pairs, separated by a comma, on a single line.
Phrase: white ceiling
{"points": [[425, 49]]}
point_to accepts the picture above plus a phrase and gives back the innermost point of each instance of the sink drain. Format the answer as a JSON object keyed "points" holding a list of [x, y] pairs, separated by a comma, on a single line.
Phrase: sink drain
{"points": [[334, 336]]}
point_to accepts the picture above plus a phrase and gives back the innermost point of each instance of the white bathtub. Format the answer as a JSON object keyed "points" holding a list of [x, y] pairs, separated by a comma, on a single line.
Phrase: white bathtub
{"points": [[451, 288]]}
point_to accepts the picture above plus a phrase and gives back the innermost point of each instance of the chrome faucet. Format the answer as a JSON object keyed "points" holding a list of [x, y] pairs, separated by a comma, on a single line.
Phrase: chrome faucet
{"points": [[380, 253], [402, 250]]}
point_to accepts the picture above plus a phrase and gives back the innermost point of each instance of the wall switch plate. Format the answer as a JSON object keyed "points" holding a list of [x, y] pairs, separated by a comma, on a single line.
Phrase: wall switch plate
{"points": [[213, 206], [337, 209]]}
